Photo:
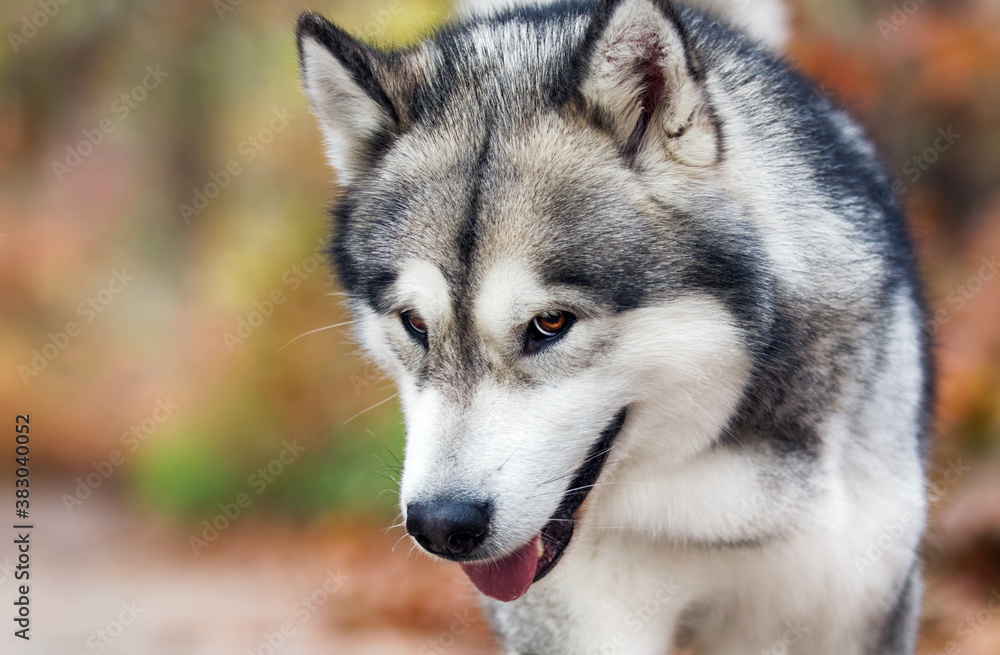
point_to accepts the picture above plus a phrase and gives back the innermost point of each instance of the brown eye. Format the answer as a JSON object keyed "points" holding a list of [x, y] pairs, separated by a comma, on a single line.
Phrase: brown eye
{"points": [[547, 326], [414, 325]]}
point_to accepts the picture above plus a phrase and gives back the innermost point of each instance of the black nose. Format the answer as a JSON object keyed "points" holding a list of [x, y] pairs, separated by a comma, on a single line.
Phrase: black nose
{"points": [[448, 528]]}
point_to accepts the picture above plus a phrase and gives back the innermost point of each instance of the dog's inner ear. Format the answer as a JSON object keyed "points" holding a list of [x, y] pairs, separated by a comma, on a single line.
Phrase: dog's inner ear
{"points": [[357, 92], [644, 84]]}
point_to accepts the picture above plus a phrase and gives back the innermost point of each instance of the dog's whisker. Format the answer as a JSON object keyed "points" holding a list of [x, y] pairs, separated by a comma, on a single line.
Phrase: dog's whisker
{"points": [[368, 409], [596, 549], [393, 455], [305, 334], [590, 486], [555, 542], [723, 426], [394, 469], [387, 477], [589, 459], [405, 535], [395, 525], [508, 457]]}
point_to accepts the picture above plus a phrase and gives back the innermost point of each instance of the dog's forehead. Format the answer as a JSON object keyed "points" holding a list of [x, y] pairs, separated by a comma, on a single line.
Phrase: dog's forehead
{"points": [[549, 194]]}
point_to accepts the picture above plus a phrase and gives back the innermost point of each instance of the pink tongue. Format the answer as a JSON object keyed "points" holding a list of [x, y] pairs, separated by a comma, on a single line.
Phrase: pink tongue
{"points": [[509, 578]]}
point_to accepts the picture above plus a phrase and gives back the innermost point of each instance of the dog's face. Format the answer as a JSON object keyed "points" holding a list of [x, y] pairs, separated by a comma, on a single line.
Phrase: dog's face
{"points": [[534, 248]]}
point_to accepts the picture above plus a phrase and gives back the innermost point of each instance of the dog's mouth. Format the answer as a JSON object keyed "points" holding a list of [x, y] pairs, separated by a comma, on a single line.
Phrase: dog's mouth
{"points": [[509, 577]]}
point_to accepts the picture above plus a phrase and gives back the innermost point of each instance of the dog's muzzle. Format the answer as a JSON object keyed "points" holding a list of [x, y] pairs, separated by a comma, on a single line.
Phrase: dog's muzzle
{"points": [[455, 529]]}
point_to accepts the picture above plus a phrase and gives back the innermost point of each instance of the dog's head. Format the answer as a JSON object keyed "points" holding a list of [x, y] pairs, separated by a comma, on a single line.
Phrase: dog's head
{"points": [[535, 246]]}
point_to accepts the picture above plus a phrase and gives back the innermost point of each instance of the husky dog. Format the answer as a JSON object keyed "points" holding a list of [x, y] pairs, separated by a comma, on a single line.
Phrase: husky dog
{"points": [[653, 314]]}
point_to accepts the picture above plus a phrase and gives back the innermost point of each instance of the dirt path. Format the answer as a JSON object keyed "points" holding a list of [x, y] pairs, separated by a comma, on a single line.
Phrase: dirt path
{"points": [[108, 579]]}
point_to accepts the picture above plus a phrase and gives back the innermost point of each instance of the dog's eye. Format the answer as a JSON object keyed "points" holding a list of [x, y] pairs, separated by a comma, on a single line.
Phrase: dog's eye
{"points": [[550, 325], [546, 328], [414, 325]]}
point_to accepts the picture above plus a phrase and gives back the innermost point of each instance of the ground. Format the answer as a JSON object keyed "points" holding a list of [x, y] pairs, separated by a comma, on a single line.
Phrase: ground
{"points": [[107, 562]]}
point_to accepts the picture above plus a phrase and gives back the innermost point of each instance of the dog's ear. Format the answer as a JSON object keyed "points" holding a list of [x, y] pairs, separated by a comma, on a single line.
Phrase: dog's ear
{"points": [[356, 91], [644, 83]]}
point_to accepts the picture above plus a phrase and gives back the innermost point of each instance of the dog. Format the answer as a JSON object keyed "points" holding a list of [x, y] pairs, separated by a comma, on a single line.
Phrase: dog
{"points": [[654, 317]]}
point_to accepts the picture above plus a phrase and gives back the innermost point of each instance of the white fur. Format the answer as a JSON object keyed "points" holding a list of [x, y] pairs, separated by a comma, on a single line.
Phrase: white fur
{"points": [[753, 546], [765, 20], [422, 286], [812, 592], [635, 31], [346, 113], [680, 367]]}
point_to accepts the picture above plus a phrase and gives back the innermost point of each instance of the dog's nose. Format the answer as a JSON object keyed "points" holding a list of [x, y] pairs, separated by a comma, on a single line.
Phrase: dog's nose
{"points": [[448, 528]]}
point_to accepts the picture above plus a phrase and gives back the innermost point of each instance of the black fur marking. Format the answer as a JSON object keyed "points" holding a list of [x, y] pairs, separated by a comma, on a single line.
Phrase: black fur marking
{"points": [[558, 531], [469, 234], [779, 407], [356, 57], [453, 78], [370, 281], [581, 59], [466, 246], [728, 262], [897, 631], [650, 96]]}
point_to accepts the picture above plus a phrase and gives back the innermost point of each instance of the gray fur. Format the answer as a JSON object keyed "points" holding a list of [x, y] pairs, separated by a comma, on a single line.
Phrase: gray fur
{"points": [[660, 176]]}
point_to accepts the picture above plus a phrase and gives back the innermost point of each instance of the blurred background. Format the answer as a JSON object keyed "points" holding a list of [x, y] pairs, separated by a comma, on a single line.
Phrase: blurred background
{"points": [[204, 480]]}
